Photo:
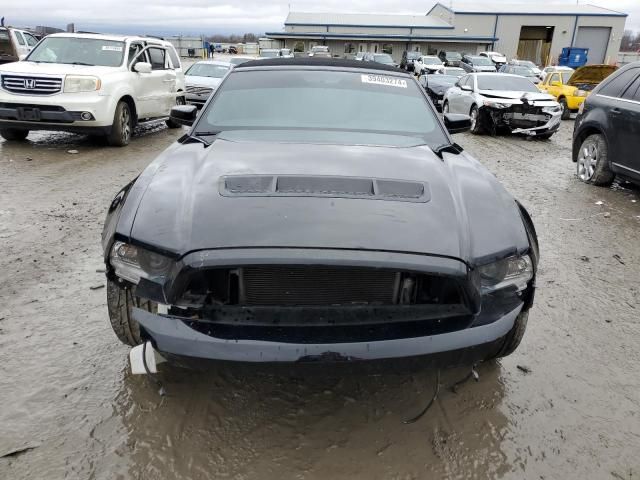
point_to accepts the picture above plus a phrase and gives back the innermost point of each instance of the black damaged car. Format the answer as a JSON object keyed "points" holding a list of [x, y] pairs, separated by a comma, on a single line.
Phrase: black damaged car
{"points": [[318, 209]]}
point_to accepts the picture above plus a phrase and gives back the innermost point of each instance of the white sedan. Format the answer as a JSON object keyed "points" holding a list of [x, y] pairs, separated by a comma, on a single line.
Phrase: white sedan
{"points": [[427, 64]]}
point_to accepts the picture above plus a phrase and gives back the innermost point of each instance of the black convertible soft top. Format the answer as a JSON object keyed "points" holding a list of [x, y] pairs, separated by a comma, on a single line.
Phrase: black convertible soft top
{"points": [[318, 62]]}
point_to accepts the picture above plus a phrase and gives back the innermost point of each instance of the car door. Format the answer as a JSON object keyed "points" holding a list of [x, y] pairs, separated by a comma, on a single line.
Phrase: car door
{"points": [[553, 84], [467, 99], [140, 81], [20, 43], [625, 123], [162, 82], [454, 95]]}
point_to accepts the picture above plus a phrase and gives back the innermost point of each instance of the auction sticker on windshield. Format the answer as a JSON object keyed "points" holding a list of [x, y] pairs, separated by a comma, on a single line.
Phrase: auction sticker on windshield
{"points": [[384, 80], [111, 48]]}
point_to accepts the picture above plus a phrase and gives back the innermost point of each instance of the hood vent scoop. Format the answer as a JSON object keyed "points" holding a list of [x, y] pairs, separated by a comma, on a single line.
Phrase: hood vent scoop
{"points": [[324, 186]]}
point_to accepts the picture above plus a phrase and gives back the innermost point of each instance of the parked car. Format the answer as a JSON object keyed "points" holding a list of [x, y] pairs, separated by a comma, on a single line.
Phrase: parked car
{"points": [[454, 71], [498, 59], [320, 51], [383, 58], [258, 237], [450, 59], [520, 70], [286, 53], [408, 58], [527, 63], [86, 83], [605, 137], [552, 69], [15, 44], [233, 50], [269, 53], [571, 88], [427, 64], [436, 86], [474, 63], [203, 78], [360, 56], [500, 101]]}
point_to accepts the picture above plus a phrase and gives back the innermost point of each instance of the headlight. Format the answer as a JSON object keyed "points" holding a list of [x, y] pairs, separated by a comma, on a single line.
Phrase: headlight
{"points": [[510, 272], [81, 83], [553, 109], [581, 93], [133, 263], [490, 104]]}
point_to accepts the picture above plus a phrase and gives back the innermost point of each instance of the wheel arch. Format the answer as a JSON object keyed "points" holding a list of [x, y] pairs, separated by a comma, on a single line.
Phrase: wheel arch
{"points": [[132, 105], [582, 135]]}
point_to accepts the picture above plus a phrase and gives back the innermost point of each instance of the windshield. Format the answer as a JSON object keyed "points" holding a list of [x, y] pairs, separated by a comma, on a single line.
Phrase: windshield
{"points": [[505, 82], [239, 60], [207, 70], [431, 60], [413, 55], [481, 61], [453, 71], [439, 79], [527, 63], [78, 51], [524, 71], [453, 56], [382, 58], [382, 108], [269, 53]]}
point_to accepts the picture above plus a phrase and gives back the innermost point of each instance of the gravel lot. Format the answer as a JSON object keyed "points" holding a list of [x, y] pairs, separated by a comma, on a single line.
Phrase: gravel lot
{"points": [[565, 405]]}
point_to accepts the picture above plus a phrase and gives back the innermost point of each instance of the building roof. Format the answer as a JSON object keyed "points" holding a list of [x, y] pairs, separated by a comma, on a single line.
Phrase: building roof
{"points": [[364, 20], [318, 62], [534, 8]]}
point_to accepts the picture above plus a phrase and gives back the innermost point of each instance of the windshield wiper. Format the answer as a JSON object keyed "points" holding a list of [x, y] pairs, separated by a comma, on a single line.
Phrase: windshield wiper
{"points": [[447, 147], [211, 133], [197, 137]]}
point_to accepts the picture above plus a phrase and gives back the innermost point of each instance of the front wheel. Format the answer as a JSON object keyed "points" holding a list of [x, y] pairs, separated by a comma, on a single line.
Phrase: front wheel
{"points": [[445, 107], [566, 113], [14, 134], [514, 337], [593, 161], [122, 127], [179, 101], [475, 121], [120, 301]]}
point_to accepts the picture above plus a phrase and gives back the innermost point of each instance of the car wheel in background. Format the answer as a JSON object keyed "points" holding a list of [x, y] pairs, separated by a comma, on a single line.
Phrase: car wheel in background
{"points": [[514, 337], [475, 121], [14, 134], [120, 301], [122, 127], [170, 123], [566, 113], [445, 107], [593, 161]]}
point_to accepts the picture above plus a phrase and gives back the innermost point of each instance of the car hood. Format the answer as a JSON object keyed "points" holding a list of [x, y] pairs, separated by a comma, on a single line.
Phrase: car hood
{"points": [[179, 205], [593, 74], [498, 59], [195, 80], [515, 95], [26, 67]]}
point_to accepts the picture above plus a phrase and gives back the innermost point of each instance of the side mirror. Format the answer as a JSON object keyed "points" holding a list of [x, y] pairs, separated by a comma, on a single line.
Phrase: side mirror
{"points": [[457, 122], [142, 67], [466, 88], [184, 114]]}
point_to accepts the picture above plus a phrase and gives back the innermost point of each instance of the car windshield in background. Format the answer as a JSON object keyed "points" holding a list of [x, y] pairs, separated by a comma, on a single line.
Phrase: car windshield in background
{"points": [[413, 55], [269, 53], [371, 108], [383, 58], [524, 71], [78, 51], [458, 72], [527, 63], [453, 56], [439, 79], [431, 61], [481, 61], [238, 60], [207, 70], [505, 82]]}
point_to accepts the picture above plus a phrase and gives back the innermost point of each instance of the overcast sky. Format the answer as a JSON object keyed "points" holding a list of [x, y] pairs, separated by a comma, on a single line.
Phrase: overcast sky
{"points": [[223, 16]]}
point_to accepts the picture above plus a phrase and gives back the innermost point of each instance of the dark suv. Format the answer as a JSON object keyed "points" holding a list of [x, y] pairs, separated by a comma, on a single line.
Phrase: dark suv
{"points": [[605, 136], [407, 60]]}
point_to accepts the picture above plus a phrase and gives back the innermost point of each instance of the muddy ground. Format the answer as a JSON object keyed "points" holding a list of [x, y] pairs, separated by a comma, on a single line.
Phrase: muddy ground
{"points": [[66, 395]]}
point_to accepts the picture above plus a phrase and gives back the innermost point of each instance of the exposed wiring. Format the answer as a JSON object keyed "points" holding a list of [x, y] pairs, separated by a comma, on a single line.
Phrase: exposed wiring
{"points": [[472, 374], [153, 377], [433, 399]]}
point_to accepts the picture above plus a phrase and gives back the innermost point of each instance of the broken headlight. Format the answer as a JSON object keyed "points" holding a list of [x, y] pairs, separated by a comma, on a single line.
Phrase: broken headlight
{"points": [[490, 104], [511, 272], [554, 109], [133, 263]]}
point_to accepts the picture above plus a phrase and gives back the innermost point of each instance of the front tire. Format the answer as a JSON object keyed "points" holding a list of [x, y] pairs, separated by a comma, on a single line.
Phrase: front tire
{"points": [[179, 101], [120, 301], [514, 337], [445, 107], [122, 127], [476, 129], [566, 113], [593, 161], [14, 134]]}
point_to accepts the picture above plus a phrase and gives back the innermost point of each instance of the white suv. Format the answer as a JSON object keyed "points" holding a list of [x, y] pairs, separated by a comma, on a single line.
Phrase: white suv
{"points": [[85, 83]]}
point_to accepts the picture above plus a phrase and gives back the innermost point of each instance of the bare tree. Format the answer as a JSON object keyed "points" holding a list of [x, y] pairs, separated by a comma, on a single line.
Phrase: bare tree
{"points": [[630, 41]]}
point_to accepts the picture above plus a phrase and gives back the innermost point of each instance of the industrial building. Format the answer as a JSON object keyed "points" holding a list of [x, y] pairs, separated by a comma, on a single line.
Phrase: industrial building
{"points": [[535, 31]]}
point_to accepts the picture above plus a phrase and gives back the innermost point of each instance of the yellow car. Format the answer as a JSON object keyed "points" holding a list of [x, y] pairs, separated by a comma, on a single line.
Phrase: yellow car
{"points": [[571, 88]]}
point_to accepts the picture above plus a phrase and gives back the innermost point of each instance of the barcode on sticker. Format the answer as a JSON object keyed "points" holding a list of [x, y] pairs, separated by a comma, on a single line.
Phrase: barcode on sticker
{"points": [[384, 80], [111, 48]]}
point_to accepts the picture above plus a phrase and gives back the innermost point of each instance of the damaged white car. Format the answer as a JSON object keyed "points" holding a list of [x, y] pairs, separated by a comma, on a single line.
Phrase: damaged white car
{"points": [[502, 102]]}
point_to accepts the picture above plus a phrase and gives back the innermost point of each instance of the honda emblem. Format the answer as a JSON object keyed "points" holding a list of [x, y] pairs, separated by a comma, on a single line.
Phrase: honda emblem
{"points": [[29, 83]]}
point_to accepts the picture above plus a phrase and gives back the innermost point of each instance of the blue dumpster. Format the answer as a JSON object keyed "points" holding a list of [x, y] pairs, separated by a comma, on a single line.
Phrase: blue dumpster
{"points": [[573, 57]]}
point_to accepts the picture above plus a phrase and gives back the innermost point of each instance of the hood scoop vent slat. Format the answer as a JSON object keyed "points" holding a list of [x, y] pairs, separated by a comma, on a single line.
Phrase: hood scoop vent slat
{"points": [[324, 186]]}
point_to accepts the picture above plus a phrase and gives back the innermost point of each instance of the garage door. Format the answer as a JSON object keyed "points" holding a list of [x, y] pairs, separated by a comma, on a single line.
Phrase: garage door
{"points": [[596, 39]]}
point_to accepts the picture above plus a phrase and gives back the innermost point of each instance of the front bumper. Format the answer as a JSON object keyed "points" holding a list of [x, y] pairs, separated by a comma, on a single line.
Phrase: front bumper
{"points": [[574, 102], [172, 337], [197, 100]]}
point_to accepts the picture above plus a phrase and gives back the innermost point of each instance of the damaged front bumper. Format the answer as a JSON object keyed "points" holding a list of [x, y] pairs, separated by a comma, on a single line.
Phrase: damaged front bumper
{"points": [[526, 119]]}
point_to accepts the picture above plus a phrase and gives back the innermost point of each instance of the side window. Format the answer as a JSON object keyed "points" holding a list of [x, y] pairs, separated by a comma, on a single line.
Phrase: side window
{"points": [[174, 57], [554, 78], [423, 80], [134, 49], [616, 84], [31, 40], [20, 38], [633, 91], [157, 56]]}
